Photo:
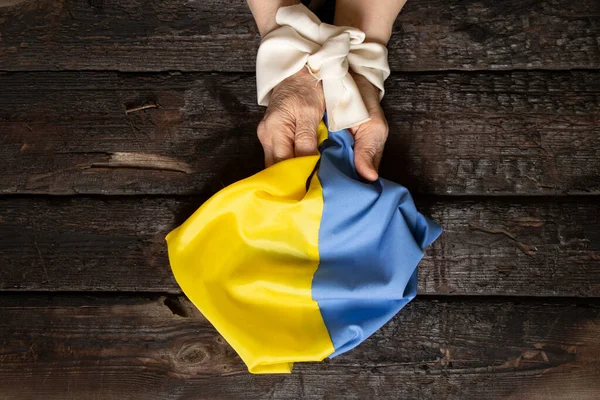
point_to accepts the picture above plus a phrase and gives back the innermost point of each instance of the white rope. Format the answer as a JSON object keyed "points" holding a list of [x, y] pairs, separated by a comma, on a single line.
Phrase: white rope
{"points": [[327, 51]]}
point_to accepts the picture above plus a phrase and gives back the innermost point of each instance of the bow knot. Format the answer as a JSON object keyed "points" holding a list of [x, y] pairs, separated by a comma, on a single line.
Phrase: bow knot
{"points": [[330, 61], [328, 52]]}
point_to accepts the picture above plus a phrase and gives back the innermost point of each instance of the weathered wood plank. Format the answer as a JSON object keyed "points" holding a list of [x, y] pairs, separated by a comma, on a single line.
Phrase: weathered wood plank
{"points": [[451, 133], [135, 35], [131, 347], [489, 247]]}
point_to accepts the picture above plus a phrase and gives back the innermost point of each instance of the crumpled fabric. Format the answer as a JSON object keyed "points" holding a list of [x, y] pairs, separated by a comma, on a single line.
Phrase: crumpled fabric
{"points": [[328, 52], [304, 260]]}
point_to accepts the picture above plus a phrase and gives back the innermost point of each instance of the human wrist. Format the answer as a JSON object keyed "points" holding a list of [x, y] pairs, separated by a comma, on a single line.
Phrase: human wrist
{"points": [[375, 19], [265, 12], [374, 31], [369, 92]]}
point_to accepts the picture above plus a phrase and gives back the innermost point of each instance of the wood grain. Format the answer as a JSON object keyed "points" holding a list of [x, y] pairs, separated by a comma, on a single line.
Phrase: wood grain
{"points": [[70, 347], [134, 112], [450, 133], [489, 246], [213, 35]]}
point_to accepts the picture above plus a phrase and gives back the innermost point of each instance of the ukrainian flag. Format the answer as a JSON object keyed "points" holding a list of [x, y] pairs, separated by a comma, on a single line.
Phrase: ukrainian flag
{"points": [[303, 260]]}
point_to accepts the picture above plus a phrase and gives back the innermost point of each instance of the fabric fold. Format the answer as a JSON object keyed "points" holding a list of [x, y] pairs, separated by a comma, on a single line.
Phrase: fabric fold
{"points": [[290, 265]]}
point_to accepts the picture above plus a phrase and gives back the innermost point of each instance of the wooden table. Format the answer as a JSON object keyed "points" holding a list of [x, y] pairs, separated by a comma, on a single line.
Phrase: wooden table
{"points": [[119, 118]]}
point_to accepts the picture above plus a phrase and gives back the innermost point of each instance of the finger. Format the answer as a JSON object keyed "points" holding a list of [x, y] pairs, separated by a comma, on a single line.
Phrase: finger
{"points": [[269, 160], [282, 143], [305, 138], [365, 156], [368, 149], [265, 141]]}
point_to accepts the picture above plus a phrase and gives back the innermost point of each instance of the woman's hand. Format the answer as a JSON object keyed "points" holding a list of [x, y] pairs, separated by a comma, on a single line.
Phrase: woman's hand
{"points": [[375, 19], [370, 136], [297, 104], [289, 127]]}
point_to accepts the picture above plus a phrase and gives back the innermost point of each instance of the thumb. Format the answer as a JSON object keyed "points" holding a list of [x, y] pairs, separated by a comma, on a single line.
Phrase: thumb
{"points": [[305, 141], [367, 156], [369, 141], [370, 136]]}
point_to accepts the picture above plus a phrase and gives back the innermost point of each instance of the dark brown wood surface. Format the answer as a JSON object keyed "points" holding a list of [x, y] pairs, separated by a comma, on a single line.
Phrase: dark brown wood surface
{"points": [[212, 35], [489, 247], [70, 347], [119, 118], [451, 133]]}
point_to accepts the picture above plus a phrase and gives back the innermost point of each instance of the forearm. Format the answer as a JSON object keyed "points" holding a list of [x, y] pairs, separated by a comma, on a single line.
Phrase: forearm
{"points": [[375, 18], [264, 12]]}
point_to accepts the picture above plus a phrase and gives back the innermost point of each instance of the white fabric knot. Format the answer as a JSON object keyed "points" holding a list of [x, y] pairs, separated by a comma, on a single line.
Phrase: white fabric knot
{"points": [[328, 52]]}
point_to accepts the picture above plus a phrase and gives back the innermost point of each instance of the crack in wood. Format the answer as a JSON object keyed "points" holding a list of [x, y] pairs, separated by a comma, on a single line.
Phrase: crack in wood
{"points": [[145, 161], [37, 249], [116, 160], [177, 307], [140, 108], [525, 248]]}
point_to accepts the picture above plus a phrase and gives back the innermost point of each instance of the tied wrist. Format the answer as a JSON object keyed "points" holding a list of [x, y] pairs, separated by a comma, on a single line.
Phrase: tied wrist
{"points": [[328, 52]]}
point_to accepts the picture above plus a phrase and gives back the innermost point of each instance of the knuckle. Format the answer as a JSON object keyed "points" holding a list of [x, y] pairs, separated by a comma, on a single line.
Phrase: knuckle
{"points": [[306, 138], [369, 149], [280, 155], [262, 131]]}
